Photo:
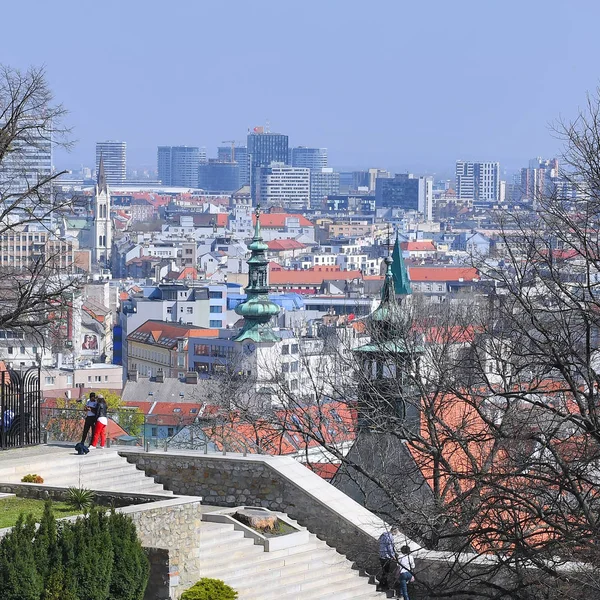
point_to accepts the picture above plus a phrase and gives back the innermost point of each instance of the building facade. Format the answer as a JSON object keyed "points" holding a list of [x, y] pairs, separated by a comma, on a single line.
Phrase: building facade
{"points": [[309, 158], [281, 185], [239, 155], [178, 165], [264, 149], [115, 161], [323, 182], [407, 192], [478, 181], [218, 176]]}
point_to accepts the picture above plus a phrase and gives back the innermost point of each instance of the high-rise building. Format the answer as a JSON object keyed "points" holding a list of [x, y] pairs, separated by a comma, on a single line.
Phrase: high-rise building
{"points": [[478, 181], [285, 186], [178, 165], [219, 176], [28, 163], [537, 179], [407, 192], [239, 154], [115, 161], [264, 149], [323, 182], [352, 181], [310, 158]]}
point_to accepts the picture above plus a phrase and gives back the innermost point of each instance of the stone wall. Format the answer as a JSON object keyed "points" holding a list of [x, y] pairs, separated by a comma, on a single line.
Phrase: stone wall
{"points": [[277, 483], [174, 527]]}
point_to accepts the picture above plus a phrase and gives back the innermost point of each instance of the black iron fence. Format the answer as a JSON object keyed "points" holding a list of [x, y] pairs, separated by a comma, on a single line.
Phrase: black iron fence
{"points": [[20, 398]]}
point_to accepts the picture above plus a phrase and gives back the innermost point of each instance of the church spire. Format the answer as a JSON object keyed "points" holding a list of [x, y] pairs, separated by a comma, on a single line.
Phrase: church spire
{"points": [[257, 309], [102, 184], [399, 271]]}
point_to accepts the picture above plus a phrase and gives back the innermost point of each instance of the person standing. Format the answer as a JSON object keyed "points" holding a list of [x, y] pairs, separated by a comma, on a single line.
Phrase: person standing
{"points": [[404, 572], [101, 423], [387, 557], [90, 417]]}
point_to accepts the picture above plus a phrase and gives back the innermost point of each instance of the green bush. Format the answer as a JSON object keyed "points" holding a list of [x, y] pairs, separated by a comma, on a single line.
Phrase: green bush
{"points": [[95, 558], [209, 589]]}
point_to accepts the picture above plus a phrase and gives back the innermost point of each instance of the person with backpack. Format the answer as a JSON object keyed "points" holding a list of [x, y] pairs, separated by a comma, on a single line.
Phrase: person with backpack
{"points": [[90, 417], [101, 413], [387, 557]]}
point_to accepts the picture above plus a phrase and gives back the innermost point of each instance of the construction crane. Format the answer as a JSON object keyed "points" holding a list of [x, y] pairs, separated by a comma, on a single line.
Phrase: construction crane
{"points": [[232, 142]]}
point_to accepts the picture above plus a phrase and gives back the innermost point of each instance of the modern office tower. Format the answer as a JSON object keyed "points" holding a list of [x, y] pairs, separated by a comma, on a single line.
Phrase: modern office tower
{"points": [[115, 161], [29, 162], [178, 165], [219, 176], [264, 149], [285, 186], [407, 192], [323, 182], [351, 181], [537, 179], [478, 181], [374, 175], [310, 158], [240, 156]]}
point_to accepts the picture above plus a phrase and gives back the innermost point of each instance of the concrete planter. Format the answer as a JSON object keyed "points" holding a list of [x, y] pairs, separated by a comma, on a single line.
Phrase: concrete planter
{"points": [[270, 544]]}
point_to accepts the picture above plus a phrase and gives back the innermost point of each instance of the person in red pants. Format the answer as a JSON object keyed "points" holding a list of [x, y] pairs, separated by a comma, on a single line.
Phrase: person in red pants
{"points": [[101, 423]]}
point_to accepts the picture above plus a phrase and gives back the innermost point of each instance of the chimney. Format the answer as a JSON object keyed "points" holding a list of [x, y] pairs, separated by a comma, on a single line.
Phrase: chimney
{"points": [[160, 376], [191, 377]]}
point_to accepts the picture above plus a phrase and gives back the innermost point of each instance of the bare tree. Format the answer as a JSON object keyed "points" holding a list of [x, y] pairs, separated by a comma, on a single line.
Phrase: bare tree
{"points": [[32, 290]]}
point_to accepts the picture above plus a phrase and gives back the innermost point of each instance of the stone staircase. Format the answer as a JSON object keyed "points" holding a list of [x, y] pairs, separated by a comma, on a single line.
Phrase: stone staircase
{"points": [[308, 571], [61, 467]]}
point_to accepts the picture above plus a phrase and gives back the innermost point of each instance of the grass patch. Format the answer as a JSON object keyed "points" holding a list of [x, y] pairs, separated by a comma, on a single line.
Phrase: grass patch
{"points": [[11, 508]]}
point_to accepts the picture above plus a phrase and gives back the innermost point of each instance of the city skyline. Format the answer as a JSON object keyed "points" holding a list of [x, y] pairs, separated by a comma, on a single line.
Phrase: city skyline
{"points": [[404, 98]]}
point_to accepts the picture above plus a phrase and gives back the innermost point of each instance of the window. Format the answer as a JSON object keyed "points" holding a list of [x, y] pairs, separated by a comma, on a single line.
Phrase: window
{"points": [[10, 350], [170, 431], [285, 367], [190, 310], [69, 379], [216, 309], [215, 295], [202, 349], [169, 310], [201, 367], [216, 324], [294, 367], [98, 378], [34, 349], [285, 349], [89, 379], [294, 348], [181, 361], [155, 432], [106, 378], [49, 380]]}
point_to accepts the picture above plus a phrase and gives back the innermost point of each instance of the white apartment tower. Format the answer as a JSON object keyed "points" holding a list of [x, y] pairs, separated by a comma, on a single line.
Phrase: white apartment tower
{"points": [[478, 181], [285, 186], [102, 223], [115, 161]]}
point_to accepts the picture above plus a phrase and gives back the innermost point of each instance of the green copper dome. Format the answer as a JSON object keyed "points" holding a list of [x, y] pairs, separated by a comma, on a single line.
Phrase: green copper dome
{"points": [[257, 309]]}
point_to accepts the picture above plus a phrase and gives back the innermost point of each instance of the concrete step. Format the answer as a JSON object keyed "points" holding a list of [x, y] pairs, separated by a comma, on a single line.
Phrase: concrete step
{"points": [[308, 571]]}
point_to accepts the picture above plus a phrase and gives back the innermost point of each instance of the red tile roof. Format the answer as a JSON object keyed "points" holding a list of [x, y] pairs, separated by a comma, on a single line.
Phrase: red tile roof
{"points": [[165, 334], [418, 246], [443, 274], [280, 245], [314, 276], [277, 220]]}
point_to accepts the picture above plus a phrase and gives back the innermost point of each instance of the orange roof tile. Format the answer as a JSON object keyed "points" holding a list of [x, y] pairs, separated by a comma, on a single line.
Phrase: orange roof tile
{"points": [[314, 276], [278, 220], [418, 246], [443, 274]]}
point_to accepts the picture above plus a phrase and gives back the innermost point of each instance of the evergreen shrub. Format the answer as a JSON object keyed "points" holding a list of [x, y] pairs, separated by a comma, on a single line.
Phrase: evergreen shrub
{"points": [[209, 589]]}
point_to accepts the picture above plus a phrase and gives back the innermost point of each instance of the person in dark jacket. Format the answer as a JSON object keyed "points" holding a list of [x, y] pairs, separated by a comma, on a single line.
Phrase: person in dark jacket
{"points": [[101, 423], [90, 417]]}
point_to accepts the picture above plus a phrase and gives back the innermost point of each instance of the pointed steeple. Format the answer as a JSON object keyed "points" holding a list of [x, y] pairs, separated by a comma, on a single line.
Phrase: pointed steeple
{"points": [[257, 309], [399, 271], [102, 184]]}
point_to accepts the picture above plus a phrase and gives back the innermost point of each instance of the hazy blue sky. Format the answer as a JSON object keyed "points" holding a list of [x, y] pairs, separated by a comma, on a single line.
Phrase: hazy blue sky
{"points": [[406, 85]]}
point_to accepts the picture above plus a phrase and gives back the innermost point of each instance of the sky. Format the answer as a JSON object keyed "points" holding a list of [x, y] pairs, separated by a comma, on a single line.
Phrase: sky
{"points": [[396, 84]]}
